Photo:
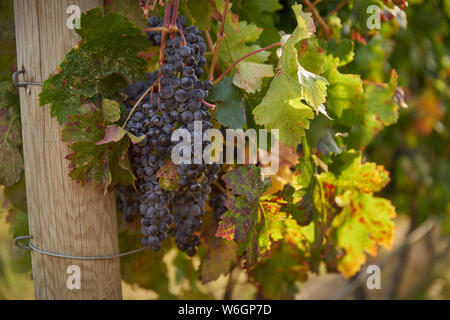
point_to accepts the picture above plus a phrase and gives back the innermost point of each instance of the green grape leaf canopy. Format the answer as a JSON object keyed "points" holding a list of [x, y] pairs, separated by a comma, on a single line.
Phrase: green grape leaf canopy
{"points": [[99, 152], [109, 45], [283, 108]]}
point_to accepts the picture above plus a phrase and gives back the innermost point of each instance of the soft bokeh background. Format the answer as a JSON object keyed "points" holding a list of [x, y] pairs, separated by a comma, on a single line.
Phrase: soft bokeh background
{"points": [[416, 151]]}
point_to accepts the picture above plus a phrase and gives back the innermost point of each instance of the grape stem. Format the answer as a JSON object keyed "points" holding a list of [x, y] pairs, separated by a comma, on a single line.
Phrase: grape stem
{"points": [[156, 29], [212, 106], [276, 44], [139, 101], [340, 6], [218, 42], [316, 15], [175, 13], [222, 189], [180, 31], [166, 23], [217, 14], [209, 40], [374, 83], [173, 23]]}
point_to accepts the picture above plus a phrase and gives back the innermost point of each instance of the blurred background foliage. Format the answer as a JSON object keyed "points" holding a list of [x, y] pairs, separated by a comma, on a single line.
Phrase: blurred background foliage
{"points": [[413, 41]]}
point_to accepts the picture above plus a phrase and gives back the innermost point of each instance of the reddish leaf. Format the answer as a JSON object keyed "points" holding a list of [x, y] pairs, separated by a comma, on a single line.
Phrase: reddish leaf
{"points": [[168, 176], [113, 133], [220, 254]]}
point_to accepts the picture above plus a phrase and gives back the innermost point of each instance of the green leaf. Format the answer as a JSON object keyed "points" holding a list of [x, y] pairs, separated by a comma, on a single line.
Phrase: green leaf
{"points": [[168, 176], [282, 107], [90, 162], [381, 111], [349, 172], [201, 13], [230, 111], [345, 95], [18, 222], [314, 88], [273, 227], [130, 9], [262, 13], [111, 110], [342, 50], [346, 99], [17, 194], [301, 202], [277, 275], [306, 169], [381, 104], [237, 35], [109, 45], [11, 161], [363, 223], [318, 129], [7, 40], [359, 221], [360, 15], [311, 56], [249, 75]]}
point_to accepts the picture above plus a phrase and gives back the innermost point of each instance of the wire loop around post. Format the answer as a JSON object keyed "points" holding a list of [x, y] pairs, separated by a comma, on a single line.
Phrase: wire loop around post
{"points": [[21, 246], [23, 84], [31, 247]]}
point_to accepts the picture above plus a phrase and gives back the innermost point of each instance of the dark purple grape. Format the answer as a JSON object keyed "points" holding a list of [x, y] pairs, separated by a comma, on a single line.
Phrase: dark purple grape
{"points": [[167, 69], [153, 21]]}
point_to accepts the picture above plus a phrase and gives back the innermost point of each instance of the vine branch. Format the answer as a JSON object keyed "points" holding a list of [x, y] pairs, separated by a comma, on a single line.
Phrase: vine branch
{"points": [[166, 23], [173, 23], [156, 29], [209, 41], [217, 14], [374, 83], [218, 42], [340, 6], [183, 39], [317, 16]]}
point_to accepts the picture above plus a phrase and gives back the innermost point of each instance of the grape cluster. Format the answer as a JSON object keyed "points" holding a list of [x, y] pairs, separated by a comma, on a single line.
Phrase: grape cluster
{"points": [[188, 206], [147, 158], [217, 202], [175, 102], [127, 202], [192, 53]]}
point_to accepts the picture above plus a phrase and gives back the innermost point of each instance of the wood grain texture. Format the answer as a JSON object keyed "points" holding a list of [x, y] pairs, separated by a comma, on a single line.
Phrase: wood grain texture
{"points": [[63, 216]]}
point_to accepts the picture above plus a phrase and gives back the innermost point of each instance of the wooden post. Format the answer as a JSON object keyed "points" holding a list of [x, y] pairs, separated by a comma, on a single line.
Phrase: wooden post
{"points": [[63, 217]]}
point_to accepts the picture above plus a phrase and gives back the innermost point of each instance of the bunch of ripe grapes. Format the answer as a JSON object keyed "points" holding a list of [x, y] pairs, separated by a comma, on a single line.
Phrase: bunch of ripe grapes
{"points": [[175, 101]]}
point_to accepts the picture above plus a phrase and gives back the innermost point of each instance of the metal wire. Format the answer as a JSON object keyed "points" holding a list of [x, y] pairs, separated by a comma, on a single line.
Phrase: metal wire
{"points": [[23, 84], [32, 247]]}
